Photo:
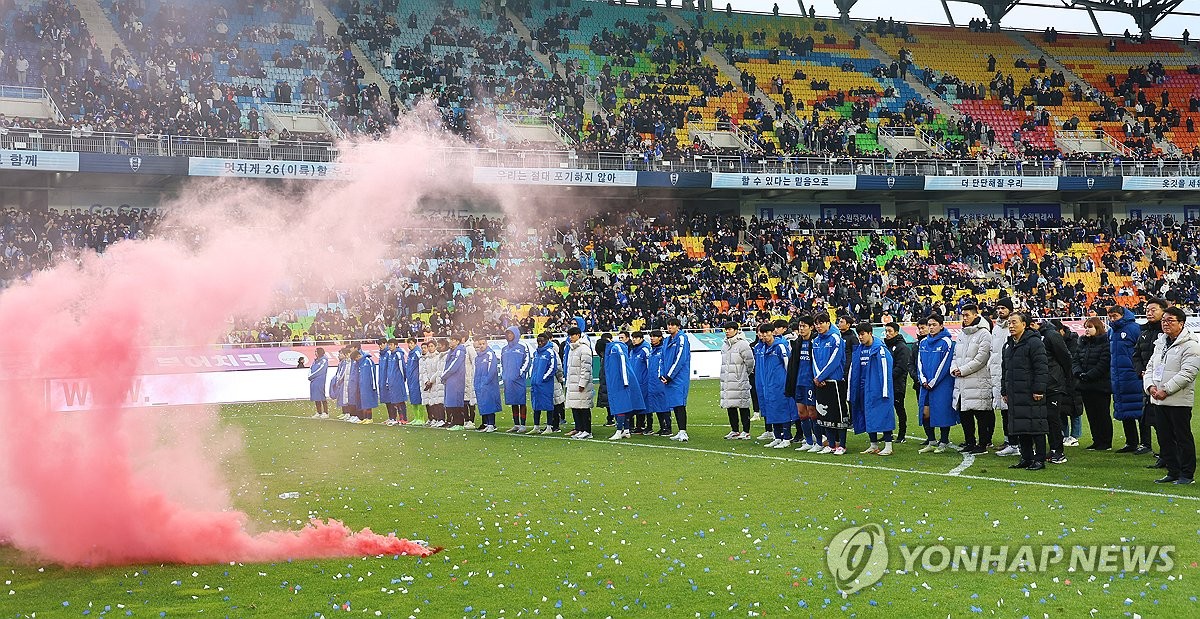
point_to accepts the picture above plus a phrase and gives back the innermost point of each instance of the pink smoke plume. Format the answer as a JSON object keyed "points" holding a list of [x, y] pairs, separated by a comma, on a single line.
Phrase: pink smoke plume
{"points": [[117, 485]]}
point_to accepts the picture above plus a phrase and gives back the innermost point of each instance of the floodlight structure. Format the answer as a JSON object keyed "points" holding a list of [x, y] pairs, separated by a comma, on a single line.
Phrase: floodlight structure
{"points": [[1145, 13]]}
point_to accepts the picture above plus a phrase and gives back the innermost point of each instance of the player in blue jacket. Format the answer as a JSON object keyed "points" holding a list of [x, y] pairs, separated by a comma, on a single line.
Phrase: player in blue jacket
{"points": [[397, 387], [487, 383], [872, 390], [677, 374], [317, 375], [656, 394], [541, 382], [454, 377], [624, 391], [829, 378], [412, 380], [368, 389], [385, 374], [516, 361], [770, 379], [935, 355], [639, 358]]}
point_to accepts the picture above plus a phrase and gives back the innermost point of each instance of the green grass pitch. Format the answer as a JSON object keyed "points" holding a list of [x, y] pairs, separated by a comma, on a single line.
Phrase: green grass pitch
{"points": [[548, 527]]}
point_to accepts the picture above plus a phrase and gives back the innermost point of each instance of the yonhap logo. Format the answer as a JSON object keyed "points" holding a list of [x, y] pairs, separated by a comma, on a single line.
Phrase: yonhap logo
{"points": [[135, 163], [857, 557]]}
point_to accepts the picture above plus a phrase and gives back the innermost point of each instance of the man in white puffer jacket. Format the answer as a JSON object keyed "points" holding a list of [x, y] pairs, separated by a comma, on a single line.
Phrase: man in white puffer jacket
{"points": [[1170, 381], [1004, 308], [973, 380]]}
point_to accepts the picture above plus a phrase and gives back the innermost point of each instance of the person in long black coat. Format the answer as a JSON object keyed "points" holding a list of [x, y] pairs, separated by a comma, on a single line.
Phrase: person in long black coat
{"points": [[1025, 375], [1071, 406], [1091, 367], [1060, 388]]}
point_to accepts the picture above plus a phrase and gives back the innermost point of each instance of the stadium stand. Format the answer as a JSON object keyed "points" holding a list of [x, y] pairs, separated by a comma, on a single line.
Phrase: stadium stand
{"points": [[632, 270]]}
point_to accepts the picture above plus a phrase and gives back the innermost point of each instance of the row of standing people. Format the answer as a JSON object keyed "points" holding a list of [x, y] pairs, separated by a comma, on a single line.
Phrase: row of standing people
{"points": [[825, 381], [441, 378]]}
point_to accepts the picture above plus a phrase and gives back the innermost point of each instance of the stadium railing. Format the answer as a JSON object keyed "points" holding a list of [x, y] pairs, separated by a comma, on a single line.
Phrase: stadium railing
{"points": [[810, 164], [80, 141], [77, 140]]}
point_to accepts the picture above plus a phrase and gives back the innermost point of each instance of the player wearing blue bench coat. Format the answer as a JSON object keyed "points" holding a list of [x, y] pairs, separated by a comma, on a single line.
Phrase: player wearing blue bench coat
{"points": [[545, 366], [395, 393], [624, 392], [770, 378], [639, 355], [516, 364], [872, 390], [935, 355], [454, 377], [487, 383], [411, 363], [677, 374], [656, 394], [368, 389], [829, 376], [317, 376]]}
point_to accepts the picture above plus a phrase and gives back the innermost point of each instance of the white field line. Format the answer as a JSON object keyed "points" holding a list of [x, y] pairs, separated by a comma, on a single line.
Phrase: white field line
{"points": [[847, 465]]}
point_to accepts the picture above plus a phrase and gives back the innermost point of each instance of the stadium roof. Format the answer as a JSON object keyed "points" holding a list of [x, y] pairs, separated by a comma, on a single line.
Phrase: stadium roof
{"points": [[1168, 18]]}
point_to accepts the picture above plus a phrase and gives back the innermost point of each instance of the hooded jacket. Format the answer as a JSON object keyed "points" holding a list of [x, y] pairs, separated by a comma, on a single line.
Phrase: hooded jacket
{"points": [[1058, 360], [901, 354], [737, 362], [454, 377], [316, 379], [996, 361], [1127, 388], [972, 357], [872, 385], [770, 378], [368, 389], [934, 357], [624, 392], [580, 391], [677, 368], [412, 374], [487, 381], [543, 381], [516, 364]]}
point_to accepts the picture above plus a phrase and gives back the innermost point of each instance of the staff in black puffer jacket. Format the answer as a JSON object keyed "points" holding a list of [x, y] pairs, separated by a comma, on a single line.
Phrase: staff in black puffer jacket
{"points": [[1059, 387], [1072, 405], [1093, 383], [1023, 387]]}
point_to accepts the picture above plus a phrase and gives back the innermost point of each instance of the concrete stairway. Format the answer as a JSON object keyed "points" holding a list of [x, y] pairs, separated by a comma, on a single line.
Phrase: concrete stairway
{"points": [[590, 105], [101, 28], [936, 100], [370, 74]]}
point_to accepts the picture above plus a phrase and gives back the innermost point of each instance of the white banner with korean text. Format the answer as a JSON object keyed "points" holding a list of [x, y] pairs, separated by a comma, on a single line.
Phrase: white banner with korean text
{"points": [[555, 176], [725, 180]]}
